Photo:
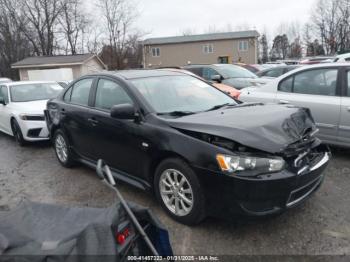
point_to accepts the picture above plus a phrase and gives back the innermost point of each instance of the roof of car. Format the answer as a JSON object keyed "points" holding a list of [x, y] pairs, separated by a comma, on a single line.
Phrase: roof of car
{"points": [[29, 82], [143, 73], [216, 65], [282, 66]]}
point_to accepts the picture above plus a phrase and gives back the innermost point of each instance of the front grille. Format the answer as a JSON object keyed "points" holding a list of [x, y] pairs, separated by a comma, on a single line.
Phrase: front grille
{"points": [[300, 194], [35, 132]]}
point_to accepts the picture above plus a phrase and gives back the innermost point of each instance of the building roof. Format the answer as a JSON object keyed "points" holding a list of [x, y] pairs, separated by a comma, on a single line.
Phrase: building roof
{"points": [[42, 61], [200, 38]]}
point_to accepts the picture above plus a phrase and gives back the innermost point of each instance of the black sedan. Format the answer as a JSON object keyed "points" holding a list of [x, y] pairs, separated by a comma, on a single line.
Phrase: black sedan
{"points": [[197, 149]]}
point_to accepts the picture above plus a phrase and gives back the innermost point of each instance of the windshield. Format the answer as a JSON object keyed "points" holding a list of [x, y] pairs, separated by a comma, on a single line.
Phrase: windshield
{"points": [[233, 71], [33, 92], [168, 94]]}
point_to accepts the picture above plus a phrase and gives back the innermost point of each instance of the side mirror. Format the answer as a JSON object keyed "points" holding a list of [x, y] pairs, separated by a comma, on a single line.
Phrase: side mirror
{"points": [[216, 78], [2, 101], [123, 111]]}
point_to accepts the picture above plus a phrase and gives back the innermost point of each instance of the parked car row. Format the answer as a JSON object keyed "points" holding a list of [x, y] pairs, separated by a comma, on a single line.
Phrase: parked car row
{"points": [[199, 150], [323, 88]]}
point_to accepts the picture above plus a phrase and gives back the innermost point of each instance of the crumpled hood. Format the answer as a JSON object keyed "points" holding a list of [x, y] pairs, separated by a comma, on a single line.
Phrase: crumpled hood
{"points": [[270, 128]]}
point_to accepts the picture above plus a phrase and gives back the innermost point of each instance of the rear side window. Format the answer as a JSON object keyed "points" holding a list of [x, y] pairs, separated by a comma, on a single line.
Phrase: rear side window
{"points": [[312, 82], [81, 92], [110, 93], [316, 82]]}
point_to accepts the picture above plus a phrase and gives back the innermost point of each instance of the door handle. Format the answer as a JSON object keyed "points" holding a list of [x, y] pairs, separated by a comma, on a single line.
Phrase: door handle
{"points": [[284, 102], [93, 121], [348, 109]]}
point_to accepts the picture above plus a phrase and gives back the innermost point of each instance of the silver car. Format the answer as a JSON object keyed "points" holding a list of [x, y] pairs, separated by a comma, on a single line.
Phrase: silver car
{"points": [[324, 88]]}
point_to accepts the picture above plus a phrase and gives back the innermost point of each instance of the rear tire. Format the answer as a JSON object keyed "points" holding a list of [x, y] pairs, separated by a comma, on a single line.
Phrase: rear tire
{"points": [[178, 190], [62, 149], [17, 133]]}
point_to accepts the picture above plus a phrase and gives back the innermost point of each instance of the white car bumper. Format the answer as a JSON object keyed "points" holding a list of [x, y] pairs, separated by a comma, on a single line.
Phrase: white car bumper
{"points": [[34, 130]]}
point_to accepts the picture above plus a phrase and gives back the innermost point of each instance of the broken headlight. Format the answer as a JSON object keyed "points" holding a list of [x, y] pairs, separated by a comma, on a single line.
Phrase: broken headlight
{"points": [[249, 165]]}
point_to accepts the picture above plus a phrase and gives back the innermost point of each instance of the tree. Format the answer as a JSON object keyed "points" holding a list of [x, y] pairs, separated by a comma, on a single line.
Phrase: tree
{"points": [[296, 49], [264, 49], [73, 23], [118, 16], [331, 20], [280, 47], [13, 44], [314, 49]]}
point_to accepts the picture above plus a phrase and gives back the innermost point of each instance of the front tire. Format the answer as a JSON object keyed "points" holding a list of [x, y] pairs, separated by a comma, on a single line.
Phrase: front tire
{"points": [[17, 133], [62, 149], [179, 192]]}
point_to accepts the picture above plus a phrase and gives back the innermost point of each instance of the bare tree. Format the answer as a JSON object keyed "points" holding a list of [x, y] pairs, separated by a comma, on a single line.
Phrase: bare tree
{"points": [[73, 22], [119, 16], [37, 19], [326, 21], [13, 44]]}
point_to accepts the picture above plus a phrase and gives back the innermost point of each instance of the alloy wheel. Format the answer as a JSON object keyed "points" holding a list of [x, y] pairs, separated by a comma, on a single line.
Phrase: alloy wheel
{"points": [[176, 192], [61, 148]]}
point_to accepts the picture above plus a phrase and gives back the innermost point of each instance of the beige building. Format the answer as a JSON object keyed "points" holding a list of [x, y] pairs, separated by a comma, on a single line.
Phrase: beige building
{"points": [[201, 49], [58, 68]]}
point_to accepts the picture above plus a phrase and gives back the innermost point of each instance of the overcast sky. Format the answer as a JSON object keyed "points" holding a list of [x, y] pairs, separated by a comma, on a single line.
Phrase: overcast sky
{"points": [[172, 17]]}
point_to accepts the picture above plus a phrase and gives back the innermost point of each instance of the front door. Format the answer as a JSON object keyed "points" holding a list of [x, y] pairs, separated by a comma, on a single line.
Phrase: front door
{"points": [[115, 140], [318, 90]]}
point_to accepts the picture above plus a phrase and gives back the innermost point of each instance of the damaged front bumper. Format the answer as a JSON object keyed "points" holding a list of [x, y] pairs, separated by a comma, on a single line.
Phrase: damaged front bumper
{"points": [[269, 194]]}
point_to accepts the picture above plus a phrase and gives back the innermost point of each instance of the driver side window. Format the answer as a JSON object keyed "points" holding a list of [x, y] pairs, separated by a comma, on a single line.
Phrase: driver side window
{"points": [[4, 93]]}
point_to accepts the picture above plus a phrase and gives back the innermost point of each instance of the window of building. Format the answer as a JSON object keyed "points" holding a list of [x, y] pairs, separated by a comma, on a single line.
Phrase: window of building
{"points": [[243, 46], [208, 48], [155, 51]]}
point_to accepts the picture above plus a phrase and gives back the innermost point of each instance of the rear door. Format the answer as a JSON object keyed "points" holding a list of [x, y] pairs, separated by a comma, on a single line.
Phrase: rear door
{"points": [[77, 117], [319, 90], [344, 127]]}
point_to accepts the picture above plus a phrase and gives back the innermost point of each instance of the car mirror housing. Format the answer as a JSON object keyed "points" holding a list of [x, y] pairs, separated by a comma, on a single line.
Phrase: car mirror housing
{"points": [[123, 111], [216, 78]]}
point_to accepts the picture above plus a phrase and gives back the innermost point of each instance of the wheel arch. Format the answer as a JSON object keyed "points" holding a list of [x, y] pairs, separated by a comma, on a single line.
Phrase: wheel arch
{"points": [[163, 155]]}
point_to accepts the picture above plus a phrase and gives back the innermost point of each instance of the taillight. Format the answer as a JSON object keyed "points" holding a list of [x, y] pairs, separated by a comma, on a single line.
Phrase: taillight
{"points": [[121, 239], [122, 236]]}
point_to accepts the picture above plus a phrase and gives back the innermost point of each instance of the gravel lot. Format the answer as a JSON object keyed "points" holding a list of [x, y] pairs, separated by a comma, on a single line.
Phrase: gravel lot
{"points": [[321, 226]]}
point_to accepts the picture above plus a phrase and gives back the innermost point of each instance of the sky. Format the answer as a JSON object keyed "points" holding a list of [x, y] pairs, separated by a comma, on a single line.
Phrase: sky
{"points": [[160, 18]]}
